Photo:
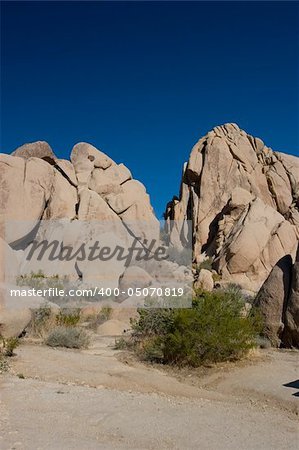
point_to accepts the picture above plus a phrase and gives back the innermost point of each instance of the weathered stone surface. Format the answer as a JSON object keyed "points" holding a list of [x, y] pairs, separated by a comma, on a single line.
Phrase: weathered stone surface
{"points": [[85, 157], [10, 262], [252, 242], [63, 199], [132, 192], [107, 181], [39, 149], [26, 186], [94, 210], [204, 281], [291, 319], [242, 199], [272, 297], [66, 168]]}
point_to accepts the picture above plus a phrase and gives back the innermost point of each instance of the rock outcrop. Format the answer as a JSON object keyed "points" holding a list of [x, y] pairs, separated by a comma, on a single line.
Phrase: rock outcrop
{"points": [[78, 201], [272, 299], [291, 318], [242, 199], [26, 186]]}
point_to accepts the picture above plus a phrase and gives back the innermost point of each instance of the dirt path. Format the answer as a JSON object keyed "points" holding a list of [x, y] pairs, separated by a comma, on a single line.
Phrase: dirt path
{"points": [[92, 400]]}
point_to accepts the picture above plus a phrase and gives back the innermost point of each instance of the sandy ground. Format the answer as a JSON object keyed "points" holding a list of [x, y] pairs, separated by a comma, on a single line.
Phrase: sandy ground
{"points": [[101, 399]]}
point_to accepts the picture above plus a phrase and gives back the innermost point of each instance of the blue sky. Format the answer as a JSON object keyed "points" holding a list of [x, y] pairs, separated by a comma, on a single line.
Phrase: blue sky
{"points": [[143, 81]]}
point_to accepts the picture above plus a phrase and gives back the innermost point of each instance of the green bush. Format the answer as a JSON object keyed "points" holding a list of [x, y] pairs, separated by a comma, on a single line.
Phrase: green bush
{"points": [[152, 322], [213, 330], [205, 264], [69, 337]]}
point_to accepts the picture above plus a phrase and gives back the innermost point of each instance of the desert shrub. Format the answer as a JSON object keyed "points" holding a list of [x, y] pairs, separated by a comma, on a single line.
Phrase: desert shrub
{"points": [[43, 319], [95, 320], [4, 366], [216, 277], [263, 342], [69, 337], [205, 264], [152, 322], [9, 345], [67, 317], [213, 330], [123, 343]]}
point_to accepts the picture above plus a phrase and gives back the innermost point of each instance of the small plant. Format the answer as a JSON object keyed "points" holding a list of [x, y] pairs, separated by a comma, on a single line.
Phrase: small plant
{"points": [[205, 264], [216, 277], [43, 319], [121, 344], [68, 318], [69, 337], [21, 376], [9, 345], [3, 364]]}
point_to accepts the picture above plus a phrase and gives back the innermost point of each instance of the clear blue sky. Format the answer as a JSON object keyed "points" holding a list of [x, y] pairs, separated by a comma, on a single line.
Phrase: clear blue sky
{"points": [[143, 81]]}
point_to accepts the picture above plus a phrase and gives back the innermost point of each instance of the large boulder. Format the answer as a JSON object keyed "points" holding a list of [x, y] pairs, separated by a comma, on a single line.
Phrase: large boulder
{"points": [[26, 187], [291, 319], [85, 157], [38, 149], [250, 240], [272, 298], [242, 200], [16, 311], [204, 281]]}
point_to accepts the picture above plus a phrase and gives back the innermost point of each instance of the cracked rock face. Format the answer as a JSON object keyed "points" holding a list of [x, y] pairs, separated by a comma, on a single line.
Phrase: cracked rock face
{"points": [[242, 198]]}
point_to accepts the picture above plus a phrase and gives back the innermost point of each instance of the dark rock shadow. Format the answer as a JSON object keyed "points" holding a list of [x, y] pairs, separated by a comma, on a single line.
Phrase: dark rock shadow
{"points": [[294, 385]]}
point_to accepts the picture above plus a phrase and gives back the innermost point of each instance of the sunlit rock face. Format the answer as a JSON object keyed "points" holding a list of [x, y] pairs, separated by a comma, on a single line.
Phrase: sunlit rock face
{"points": [[242, 198]]}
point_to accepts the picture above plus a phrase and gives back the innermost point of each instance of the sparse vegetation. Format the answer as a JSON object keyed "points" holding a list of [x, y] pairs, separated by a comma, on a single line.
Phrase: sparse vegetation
{"points": [[69, 337], [39, 280], [122, 343], [4, 366], [205, 264], [9, 345], [43, 319], [68, 317]]}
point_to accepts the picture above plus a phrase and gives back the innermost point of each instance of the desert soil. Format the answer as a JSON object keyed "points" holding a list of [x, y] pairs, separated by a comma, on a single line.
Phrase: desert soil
{"points": [[101, 398]]}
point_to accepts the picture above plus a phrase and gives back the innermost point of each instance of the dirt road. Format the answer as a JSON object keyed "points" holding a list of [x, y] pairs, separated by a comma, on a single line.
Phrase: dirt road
{"points": [[93, 400]]}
